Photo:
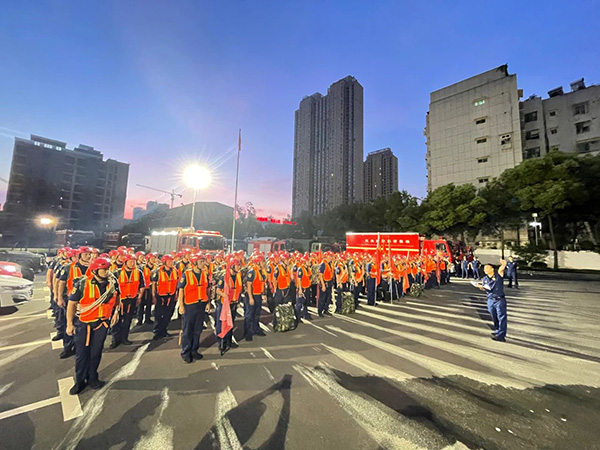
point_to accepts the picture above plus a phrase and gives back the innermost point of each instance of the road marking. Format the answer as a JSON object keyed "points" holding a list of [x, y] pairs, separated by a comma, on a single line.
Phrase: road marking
{"points": [[161, 436], [264, 327], [5, 388], [266, 309], [26, 344], [214, 366], [49, 314], [321, 328], [71, 407], [269, 374], [55, 344], [226, 435], [21, 317], [267, 353], [29, 408], [14, 356]]}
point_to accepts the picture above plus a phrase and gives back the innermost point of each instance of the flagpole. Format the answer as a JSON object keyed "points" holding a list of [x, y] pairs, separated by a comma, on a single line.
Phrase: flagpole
{"points": [[237, 172]]}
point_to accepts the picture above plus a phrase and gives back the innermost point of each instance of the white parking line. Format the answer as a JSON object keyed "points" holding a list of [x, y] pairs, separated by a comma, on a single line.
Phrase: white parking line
{"points": [[49, 314], [55, 344], [264, 327], [27, 344], [29, 408], [320, 328], [21, 317], [269, 374], [71, 407], [267, 353]]}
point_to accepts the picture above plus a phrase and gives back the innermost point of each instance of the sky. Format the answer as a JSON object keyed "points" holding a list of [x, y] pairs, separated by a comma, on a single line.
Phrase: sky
{"points": [[162, 85]]}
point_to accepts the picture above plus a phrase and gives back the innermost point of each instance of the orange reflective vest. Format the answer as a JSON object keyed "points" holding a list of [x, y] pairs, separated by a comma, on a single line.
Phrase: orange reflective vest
{"points": [[167, 282], [258, 284], [328, 272], [343, 274], [91, 293], [194, 291], [147, 272], [305, 280], [283, 278], [237, 287], [74, 272], [129, 285], [358, 275]]}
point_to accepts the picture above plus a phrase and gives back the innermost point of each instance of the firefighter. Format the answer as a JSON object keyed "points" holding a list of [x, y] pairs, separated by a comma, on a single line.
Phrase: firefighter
{"points": [[341, 283], [193, 304], [235, 278], [304, 284], [131, 285], [91, 306], [325, 283], [282, 280], [256, 286], [144, 310], [371, 274], [358, 279], [164, 284]]}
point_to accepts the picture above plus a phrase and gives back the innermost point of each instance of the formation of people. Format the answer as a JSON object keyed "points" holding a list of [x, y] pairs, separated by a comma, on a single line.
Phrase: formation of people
{"points": [[95, 294]]}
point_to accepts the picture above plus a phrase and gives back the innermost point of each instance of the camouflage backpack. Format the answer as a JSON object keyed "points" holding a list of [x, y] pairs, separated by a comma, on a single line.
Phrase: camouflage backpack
{"points": [[416, 290], [286, 319], [347, 304]]}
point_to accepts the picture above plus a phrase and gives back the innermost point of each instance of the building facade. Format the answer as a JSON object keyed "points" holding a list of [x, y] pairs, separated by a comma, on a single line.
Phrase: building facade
{"points": [[568, 122], [76, 186], [328, 149], [473, 130], [380, 174]]}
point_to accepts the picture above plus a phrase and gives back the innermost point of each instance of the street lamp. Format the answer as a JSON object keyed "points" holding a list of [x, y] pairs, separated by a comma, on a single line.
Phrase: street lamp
{"points": [[48, 223], [535, 224], [196, 177]]}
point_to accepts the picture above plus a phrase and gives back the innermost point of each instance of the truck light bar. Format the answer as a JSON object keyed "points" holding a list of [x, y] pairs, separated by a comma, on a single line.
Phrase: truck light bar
{"points": [[164, 233]]}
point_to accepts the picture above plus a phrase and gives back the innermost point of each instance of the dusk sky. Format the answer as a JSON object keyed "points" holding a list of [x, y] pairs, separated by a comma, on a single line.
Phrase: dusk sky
{"points": [[162, 84]]}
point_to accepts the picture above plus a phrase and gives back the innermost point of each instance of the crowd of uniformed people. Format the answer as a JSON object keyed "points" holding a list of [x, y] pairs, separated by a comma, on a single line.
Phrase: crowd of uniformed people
{"points": [[95, 294]]}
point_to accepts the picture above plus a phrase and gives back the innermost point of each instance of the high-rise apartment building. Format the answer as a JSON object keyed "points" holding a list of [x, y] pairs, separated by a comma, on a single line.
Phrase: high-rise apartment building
{"points": [[569, 122], [328, 149], [76, 186], [473, 129], [380, 174]]}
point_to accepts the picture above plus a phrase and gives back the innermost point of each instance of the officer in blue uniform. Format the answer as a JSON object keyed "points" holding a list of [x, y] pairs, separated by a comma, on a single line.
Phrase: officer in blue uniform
{"points": [[511, 272], [371, 283], [496, 300], [475, 264], [465, 267]]}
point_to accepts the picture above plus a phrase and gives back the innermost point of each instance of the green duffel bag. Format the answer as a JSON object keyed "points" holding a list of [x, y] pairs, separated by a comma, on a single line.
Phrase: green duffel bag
{"points": [[347, 304], [286, 319], [416, 290]]}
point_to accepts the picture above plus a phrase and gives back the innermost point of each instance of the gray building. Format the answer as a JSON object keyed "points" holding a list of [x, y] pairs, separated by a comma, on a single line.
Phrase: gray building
{"points": [[76, 186], [473, 130], [328, 149], [569, 122], [380, 174]]}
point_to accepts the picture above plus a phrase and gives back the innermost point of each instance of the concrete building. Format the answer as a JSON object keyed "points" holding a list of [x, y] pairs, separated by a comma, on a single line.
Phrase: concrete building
{"points": [[138, 212], [473, 130], [380, 174], [569, 122], [76, 186], [328, 149]]}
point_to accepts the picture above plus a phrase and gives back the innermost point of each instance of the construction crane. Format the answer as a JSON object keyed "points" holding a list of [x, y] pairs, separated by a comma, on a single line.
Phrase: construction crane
{"points": [[172, 193]]}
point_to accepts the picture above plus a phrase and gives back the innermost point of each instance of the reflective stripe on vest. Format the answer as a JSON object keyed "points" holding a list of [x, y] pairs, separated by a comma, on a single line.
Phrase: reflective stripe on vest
{"points": [[74, 272], [327, 273], [167, 283], [283, 278], [129, 286], [305, 280], [91, 293], [194, 291]]}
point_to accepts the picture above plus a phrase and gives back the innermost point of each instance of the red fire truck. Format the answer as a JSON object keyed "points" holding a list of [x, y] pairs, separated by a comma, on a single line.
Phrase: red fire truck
{"points": [[177, 239], [397, 243], [265, 245]]}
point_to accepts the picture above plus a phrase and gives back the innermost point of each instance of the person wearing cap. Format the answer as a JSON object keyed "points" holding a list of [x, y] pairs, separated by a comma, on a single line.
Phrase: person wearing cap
{"points": [[140, 258], [193, 303], [256, 285], [303, 289], [237, 287], [131, 285], [358, 277], [144, 309], [118, 261], [326, 274], [91, 309], [341, 283], [164, 285], [281, 277]]}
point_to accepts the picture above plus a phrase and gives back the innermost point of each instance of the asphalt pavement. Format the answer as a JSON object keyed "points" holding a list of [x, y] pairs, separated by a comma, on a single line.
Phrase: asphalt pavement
{"points": [[421, 373]]}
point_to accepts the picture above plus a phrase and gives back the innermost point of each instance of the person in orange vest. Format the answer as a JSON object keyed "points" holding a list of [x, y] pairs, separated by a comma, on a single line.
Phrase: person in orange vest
{"points": [[140, 258], [341, 283], [131, 285], [282, 281], [67, 280], [358, 278], [237, 287], [326, 274], [144, 309], [273, 260], [92, 305], [371, 272], [118, 261], [303, 289], [164, 284], [256, 287], [193, 305]]}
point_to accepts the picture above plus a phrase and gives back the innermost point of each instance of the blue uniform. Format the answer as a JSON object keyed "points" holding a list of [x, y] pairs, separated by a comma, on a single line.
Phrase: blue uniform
{"points": [[496, 303], [371, 285], [193, 320], [511, 273]]}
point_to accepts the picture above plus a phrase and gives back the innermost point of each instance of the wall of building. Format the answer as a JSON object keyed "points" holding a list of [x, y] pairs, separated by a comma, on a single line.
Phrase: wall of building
{"points": [[380, 174], [566, 260]]}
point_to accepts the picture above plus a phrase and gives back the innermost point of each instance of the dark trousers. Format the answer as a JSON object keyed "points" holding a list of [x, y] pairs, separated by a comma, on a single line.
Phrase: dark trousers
{"points": [[465, 272], [371, 291], [497, 309], [302, 306], [281, 296], [144, 309], [356, 291], [225, 341], [120, 331], [193, 323], [89, 341], [338, 296], [252, 314], [324, 297], [61, 327], [512, 277], [163, 311]]}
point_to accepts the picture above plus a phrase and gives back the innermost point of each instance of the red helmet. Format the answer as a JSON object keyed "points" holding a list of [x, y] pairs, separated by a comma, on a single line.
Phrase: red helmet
{"points": [[128, 257], [72, 253], [103, 255], [95, 250], [113, 253], [166, 258], [100, 263], [151, 255], [258, 258], [138, 254], [85, 249], [122, 248], [197, 257]]}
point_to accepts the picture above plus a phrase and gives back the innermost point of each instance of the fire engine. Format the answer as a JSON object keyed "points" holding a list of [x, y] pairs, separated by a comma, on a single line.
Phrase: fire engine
{"points": [[178, 239], [397, 243], [265, 245]]}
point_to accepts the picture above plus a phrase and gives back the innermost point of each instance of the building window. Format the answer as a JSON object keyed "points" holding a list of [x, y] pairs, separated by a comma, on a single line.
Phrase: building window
{"points": [[590, 146], [552, 113], [482, 160], [532, 134], [580, 108], [483, 180], [480, 121], [479, 102], [505, 139], [553, 130], [531, 117], [582, 127], [531, 153], [481, 140], [555, 148]]}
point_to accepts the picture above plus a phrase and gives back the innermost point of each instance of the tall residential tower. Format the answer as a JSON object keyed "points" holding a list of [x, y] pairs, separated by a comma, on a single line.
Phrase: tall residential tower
{"points": [[380, 174]]}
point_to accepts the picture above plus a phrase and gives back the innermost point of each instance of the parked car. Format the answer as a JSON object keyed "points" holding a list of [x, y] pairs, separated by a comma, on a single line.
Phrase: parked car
{"points": [[35, 261], [11, 269], [14, 290]]}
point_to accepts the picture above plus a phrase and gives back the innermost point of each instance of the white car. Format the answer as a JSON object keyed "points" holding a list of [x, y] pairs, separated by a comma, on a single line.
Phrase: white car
{"points": [[14, 290]]}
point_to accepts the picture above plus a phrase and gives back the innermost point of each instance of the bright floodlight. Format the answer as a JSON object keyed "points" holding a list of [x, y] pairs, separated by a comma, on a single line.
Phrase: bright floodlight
{"points": [[45, 221], [196, 177]]}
